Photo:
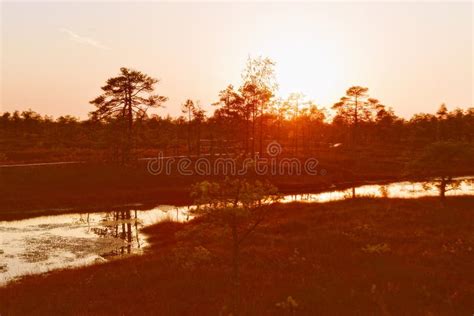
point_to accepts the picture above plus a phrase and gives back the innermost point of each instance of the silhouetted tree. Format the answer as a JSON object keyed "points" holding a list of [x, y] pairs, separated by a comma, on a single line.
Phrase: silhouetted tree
{"points": [[440, 163], [239, 205], [442, 116], [188, 109], [257, 89], [355, 107], [198, 118], [280, 110], [127, 97], [294, 102], [233, 115]]}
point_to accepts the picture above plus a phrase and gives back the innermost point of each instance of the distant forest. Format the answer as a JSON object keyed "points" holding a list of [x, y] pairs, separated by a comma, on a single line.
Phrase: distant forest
{"points": [[245, 120], [300, 130]]}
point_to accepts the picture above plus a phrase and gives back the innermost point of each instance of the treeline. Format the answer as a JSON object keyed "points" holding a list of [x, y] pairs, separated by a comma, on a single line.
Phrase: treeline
{"points": [[225, 131], [245, 120]]}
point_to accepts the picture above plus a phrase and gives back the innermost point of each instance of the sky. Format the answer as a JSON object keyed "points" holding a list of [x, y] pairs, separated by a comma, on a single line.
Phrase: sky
{"points": [[412, 56]]}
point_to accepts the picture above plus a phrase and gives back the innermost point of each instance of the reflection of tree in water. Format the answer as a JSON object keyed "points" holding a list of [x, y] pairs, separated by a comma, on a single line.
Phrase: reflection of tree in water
{"points": [[120, 225]]}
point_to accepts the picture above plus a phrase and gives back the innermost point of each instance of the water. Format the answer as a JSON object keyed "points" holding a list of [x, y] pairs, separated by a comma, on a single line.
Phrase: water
{"points": [[391, 190], [41, 244]]}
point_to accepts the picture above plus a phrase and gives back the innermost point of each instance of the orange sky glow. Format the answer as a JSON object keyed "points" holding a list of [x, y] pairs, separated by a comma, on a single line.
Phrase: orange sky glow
{"points": [[412, 56]]}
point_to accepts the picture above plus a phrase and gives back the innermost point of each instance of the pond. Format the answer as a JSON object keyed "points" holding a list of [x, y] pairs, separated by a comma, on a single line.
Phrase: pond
{"points": [[41, 244]]}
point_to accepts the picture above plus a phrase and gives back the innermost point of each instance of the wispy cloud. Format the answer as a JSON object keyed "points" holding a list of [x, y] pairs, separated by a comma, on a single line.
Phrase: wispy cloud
{"points": [[83, 40]]}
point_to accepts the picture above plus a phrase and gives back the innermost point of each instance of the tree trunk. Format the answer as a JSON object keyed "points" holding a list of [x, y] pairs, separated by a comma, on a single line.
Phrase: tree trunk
{"points": [[116, 218], [189, 132], [128, 148], [129, 231], [211, 147], [296, 129], [198, 134], [303, 139], [136, 229], [356, 121], [261, 131], [123, 235], [253, 132], [247, 134], [235, 269], [129, 140], [442, 189], [278, 131]]}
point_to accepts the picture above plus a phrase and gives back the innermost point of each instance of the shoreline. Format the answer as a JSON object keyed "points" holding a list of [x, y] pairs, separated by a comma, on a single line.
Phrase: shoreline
{"points": [[178, 197], [181, 198]]}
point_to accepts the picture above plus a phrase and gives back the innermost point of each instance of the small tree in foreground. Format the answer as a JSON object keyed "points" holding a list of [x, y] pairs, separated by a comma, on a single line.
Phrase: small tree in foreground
{"points": [[238, 205], [440, 163]]}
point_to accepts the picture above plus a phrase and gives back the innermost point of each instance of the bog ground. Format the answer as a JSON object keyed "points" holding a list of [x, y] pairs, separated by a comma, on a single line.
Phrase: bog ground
{"points": [[367, 256]]}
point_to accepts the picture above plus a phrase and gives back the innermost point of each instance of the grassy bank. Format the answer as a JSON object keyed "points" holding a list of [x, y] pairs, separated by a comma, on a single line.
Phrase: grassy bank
{"points": [[368, 256]]}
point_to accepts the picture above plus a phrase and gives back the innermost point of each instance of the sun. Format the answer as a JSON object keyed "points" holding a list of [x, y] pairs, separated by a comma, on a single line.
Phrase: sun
{"points": [[315, 70]]}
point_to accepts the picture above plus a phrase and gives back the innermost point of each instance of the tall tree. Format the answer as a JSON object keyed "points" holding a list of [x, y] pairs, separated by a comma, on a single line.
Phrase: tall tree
{"points": [[442, 116], [295, 101], [127, 97], [280, 110], [354, 107], [351, 109], [232, 114], [239, 205], [198, 118], [258, 88], [250, 94], [188, 108]]}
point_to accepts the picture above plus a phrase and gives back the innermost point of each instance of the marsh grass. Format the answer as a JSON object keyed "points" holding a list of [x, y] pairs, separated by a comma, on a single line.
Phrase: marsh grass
{"points": [[362, 256]]}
